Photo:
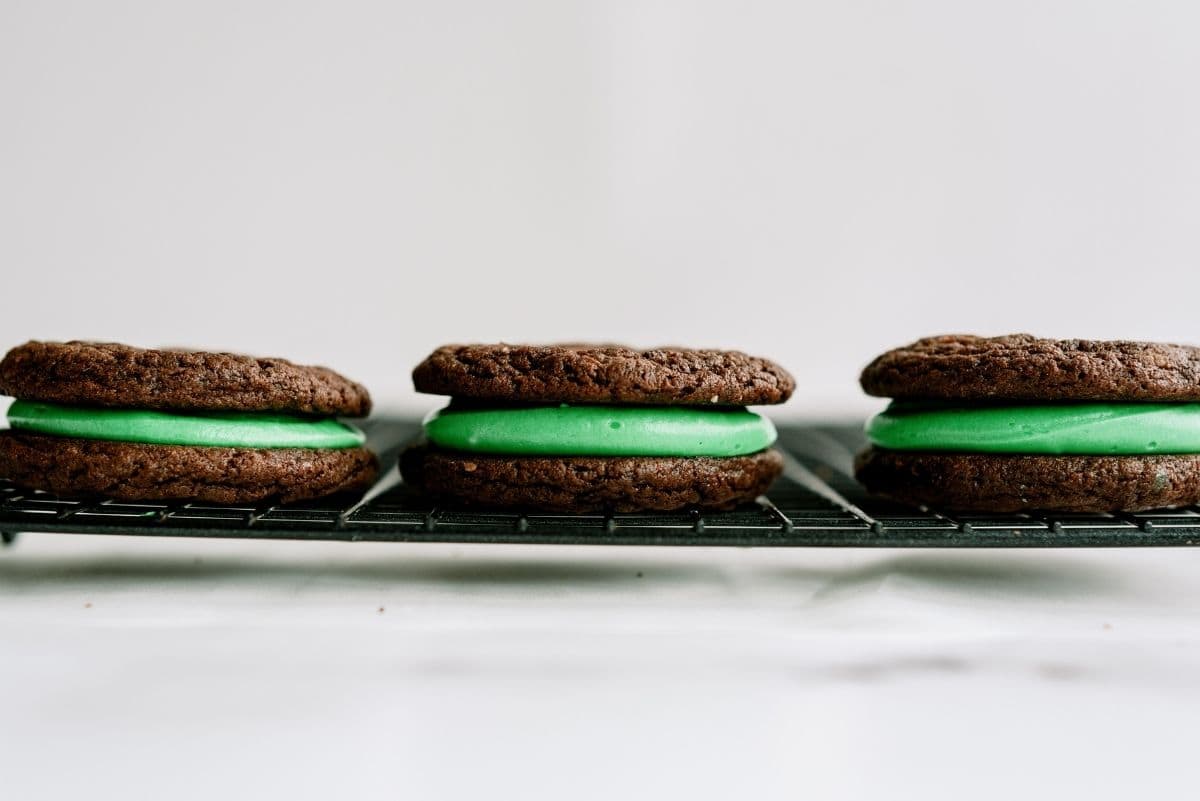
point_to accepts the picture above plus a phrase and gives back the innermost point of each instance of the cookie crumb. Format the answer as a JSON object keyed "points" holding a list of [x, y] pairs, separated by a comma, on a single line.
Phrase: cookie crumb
{"points": [[380, 610], [87, 604]]}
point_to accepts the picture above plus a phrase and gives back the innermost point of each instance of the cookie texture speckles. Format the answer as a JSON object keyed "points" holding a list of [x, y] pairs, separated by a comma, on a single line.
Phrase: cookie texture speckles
{"points": [[132, 471], [992, 483], [602, 374], [109, 374], [1021, 367], [584, 484]]}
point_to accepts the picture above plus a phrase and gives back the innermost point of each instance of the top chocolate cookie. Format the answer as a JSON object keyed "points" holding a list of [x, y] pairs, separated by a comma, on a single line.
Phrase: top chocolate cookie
{"points": [[1022, 367], [108, 374], [602, 374]]}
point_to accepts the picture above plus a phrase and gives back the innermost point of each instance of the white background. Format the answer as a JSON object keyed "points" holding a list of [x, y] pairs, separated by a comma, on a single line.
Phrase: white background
{"points": [[355, 183]]}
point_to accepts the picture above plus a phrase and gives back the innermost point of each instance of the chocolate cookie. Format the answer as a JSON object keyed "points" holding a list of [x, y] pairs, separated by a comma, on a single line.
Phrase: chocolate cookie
{"points": [[593, 428], [1017, 423], [109, 374], [112, 420], [1003, 483], [1020, 367], [602, 374], [583, 484], [131, 471]]}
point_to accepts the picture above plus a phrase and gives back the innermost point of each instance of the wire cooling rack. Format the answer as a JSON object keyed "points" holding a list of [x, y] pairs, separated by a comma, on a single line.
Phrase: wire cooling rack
{"points": [[816, 503]]}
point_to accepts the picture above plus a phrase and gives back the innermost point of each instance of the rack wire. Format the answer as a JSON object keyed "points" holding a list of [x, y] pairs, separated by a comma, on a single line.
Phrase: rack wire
{"points": [[817, 503]]}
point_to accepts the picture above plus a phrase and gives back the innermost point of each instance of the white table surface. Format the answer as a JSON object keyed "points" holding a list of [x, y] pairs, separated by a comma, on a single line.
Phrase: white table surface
{"points": [[199, 669]]}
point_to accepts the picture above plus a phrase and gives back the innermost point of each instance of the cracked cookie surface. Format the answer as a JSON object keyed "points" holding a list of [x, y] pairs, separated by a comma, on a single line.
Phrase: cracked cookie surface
{"points": [[582, 484], [1004, 483], [115, 375], [602, 374], [1022, 367], [136, 472]]}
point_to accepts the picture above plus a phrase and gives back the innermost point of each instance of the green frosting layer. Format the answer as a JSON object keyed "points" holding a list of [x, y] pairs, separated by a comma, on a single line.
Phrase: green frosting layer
{"points": [[566, 430], [226, 429], [1065, 428]]}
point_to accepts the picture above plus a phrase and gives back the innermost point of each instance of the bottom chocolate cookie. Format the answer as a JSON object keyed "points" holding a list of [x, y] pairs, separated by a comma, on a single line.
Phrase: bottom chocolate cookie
{"points": [[1002, 483], [581, 484], [131, 471]]}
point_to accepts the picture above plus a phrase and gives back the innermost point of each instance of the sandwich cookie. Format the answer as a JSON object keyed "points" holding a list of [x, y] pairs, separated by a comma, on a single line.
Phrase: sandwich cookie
{"points": [[1017, 423], [577, 428], [100, 419]]}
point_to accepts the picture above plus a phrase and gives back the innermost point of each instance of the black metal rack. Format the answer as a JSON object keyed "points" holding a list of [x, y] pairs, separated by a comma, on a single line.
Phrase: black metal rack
{"points": [[816, 504]]}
